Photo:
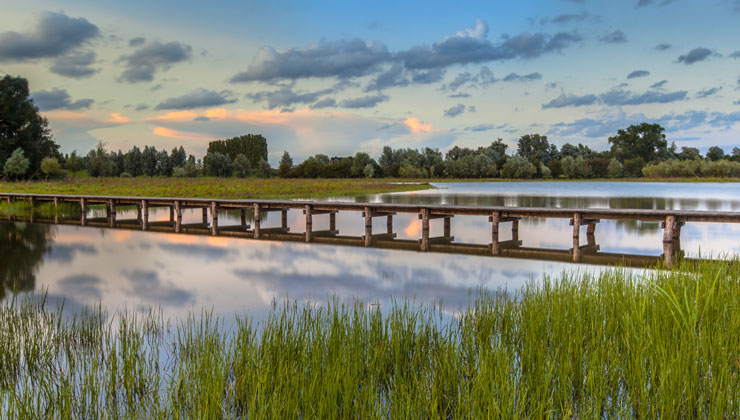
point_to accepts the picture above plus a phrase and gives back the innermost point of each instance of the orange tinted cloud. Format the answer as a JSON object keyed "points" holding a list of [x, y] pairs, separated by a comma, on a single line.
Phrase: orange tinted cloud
{"points": [[177, 134], [118, 118], [417, 126]]}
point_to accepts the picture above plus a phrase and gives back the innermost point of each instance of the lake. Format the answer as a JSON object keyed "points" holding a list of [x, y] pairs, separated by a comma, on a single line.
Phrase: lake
{"points": [[179, 273]]}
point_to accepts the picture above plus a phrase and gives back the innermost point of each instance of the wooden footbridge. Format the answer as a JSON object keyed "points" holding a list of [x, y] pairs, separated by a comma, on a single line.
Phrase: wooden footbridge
{"points": [[672, 221]]}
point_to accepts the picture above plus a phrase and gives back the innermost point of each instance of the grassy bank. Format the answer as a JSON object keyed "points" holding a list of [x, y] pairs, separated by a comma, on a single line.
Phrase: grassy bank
{"points": [[274, 188], [602, 346]]}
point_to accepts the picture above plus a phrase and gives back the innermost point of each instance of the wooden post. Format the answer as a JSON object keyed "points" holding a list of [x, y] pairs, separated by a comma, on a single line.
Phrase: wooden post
{"points": [[205, 216], [425, 230], [332, 221], [515, 230], [138, 212], [256, 211], [83, 209], [214, 219], [448, 229], [576, 237], [144, 215], [178, 214], [309, 223], [243, 216], [495, 220], [56, 210], [284, 219], [389, 224], [111, 213], [368, 227], [668, 236], [172, 213]]}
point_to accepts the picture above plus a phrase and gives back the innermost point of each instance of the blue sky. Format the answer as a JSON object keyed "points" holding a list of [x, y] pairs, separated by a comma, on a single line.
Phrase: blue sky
{"points": [[335, 78]]}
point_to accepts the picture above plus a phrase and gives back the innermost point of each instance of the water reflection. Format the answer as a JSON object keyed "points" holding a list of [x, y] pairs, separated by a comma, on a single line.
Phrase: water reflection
{"points": [[126, 267]]}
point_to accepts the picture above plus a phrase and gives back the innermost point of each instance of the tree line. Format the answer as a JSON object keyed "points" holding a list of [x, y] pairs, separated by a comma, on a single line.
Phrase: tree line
{"points": [[28, 150]]}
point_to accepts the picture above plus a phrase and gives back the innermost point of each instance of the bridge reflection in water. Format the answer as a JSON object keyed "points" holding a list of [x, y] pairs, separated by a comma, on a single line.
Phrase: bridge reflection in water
{"points": [[245, 226]]}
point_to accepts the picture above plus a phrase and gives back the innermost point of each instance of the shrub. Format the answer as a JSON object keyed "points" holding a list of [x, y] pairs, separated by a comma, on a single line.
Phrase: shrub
{"points": [[241, 166], [51, 167], [17, 164]]}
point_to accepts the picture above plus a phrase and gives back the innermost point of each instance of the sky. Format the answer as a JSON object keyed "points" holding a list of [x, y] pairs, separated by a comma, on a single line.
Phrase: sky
{"points": [[341, 77]]}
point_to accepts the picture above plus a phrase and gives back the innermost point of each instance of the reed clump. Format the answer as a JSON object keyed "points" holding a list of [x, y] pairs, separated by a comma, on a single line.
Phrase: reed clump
{"points": [[616, 344]]}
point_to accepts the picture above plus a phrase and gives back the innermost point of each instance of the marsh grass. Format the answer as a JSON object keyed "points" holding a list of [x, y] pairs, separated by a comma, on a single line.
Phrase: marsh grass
{"points": [[225, 188], [616, 344]]}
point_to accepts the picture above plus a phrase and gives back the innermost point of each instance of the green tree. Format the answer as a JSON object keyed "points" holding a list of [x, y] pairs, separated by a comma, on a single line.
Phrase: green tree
{"points": [[715, 153], [253, 146], [16, 166], [178, 157], [217, 164], [149, 161], [286, 164], [689, 153], [98, 162], [74, 163], [241, 166], [360, 161], [614, 170], [536, 148], [645, 141], [51, 167], [518, 167], [263, 168], [369, 170], [132, 162], [22, 126], [191, 170]]}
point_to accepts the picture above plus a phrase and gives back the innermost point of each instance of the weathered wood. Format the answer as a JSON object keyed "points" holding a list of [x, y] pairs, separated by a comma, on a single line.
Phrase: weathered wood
{"points": [[495, 219], [576, 223], [243, 217], [424, 229], [389, 224], [436, 216], [214, 218], [378, 213], [367, 214], [145, 215], [256, 213], [333, 221], [178, 217], [204, 215], [515, 230], [447, 226], [284, 219], [309, 222], [83, 210]]}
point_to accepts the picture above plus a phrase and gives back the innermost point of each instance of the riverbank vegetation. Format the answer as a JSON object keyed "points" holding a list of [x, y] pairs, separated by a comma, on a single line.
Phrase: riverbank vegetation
{"points": [[232, 188], [661, 344]]}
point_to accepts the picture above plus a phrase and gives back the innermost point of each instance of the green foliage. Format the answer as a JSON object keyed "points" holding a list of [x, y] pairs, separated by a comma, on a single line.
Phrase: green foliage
{"points": [[369, 171], [614, 170], [715, 153], [241, 166], [149, 161], [645, 141], [518, 167], [360, 161], [545, 171], [536, 148], [74, 163], [125, 175], [21, 125], [407, 170], [16, 166], [52, 169], [263, 169], [633, 167], [689, 153], [98, 162], [190, 170], [575, 168], [218, 165], [253, 146], [286, 164]]}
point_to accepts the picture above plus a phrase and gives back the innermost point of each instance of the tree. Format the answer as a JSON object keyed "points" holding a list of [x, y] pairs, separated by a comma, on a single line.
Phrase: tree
{"points": [[178, 157], [518, 167], [191, 169], [241, 166], [74, 163], [263, 168], [16, 166], [689, 153], [217, 164], [645, 141], [286, 164], [369, 170], [614, 170], [132, 162], [536, 148], [51, 167], [715, 153], [164, 166], [98, 163], [360, 161], [22, 126], [253, 146], [149, 161]]}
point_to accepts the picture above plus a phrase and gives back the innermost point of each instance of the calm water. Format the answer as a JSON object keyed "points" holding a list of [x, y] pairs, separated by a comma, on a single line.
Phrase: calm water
{"points": [[122, 268]]}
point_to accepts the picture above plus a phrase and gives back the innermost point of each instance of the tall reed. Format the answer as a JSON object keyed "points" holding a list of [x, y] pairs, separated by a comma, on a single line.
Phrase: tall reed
{"points": [[618, 344]]}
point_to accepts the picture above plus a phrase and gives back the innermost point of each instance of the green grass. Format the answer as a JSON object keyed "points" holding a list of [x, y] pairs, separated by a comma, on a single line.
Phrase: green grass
{"points": [[615, 345], [226, 188]]}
